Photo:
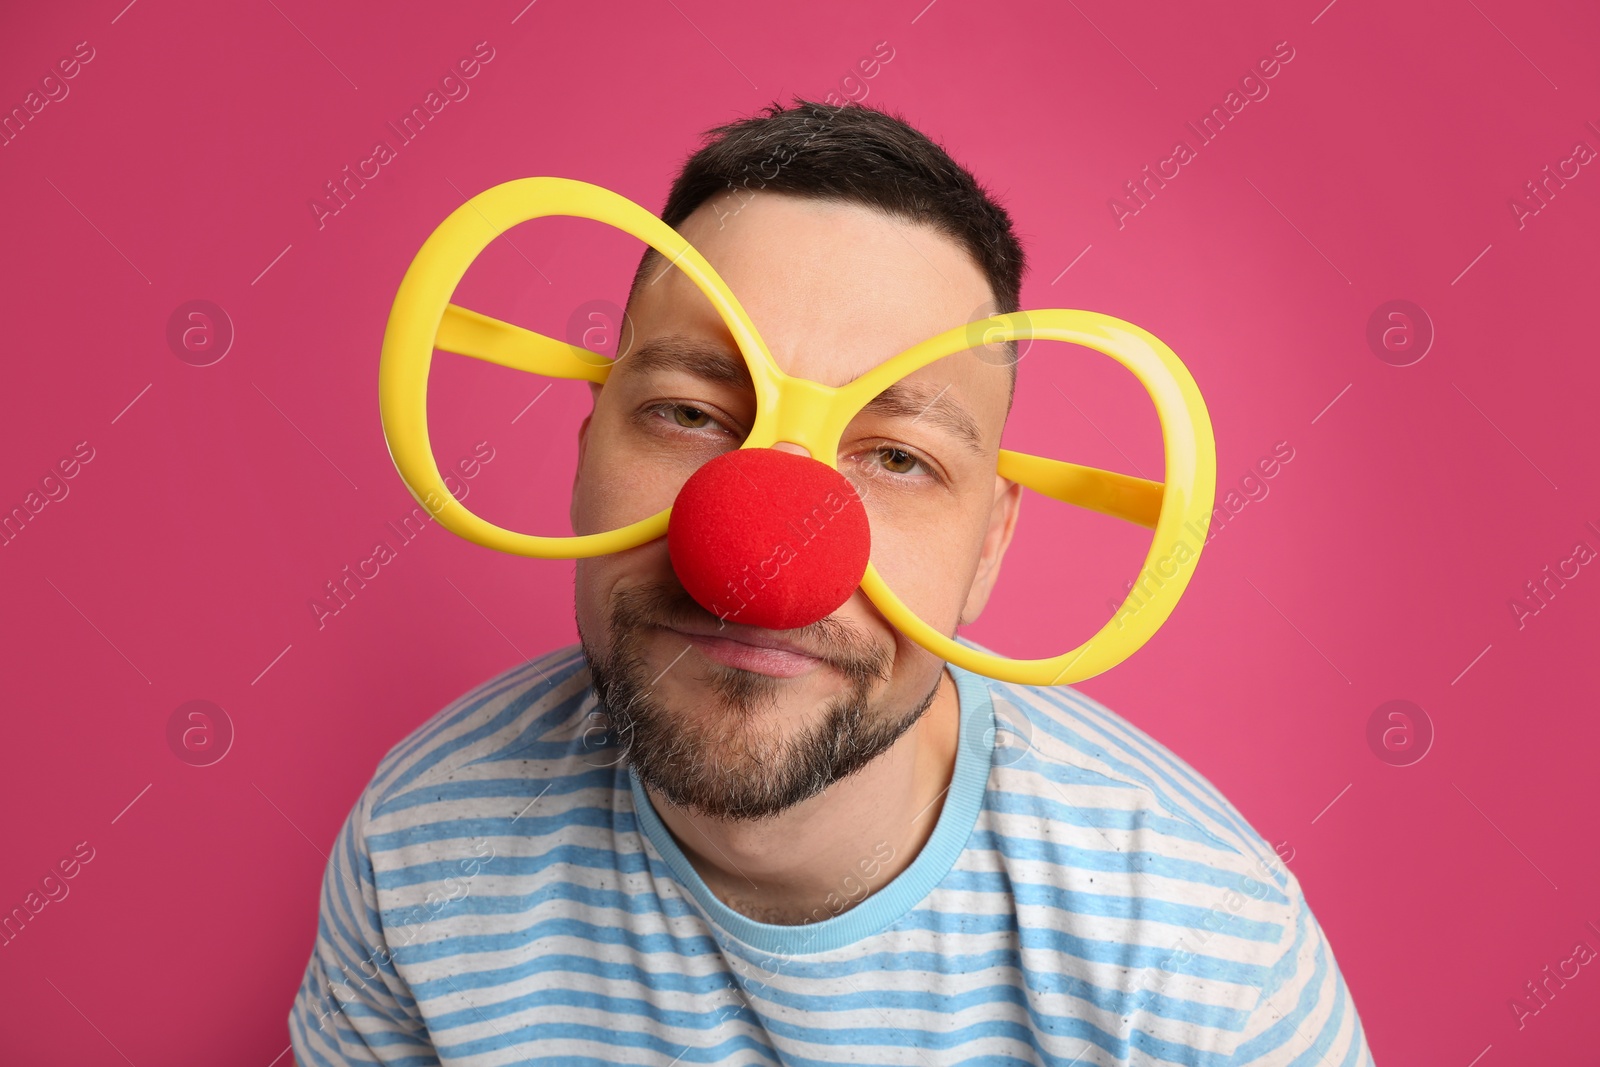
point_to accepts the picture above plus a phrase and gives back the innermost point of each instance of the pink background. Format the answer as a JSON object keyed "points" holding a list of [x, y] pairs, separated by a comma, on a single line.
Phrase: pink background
{"points": [[1378, 567]]}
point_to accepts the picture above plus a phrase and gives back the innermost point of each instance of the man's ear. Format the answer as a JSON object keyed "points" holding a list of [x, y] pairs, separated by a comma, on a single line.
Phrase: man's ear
{"points": [[996, 539]]}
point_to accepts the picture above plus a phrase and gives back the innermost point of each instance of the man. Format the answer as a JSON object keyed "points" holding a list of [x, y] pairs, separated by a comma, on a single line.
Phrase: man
{"points": [[692, 840]]}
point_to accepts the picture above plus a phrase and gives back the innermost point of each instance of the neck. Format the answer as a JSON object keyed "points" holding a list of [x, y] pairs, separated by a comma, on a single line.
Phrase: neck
{"points": [[829, 853]]}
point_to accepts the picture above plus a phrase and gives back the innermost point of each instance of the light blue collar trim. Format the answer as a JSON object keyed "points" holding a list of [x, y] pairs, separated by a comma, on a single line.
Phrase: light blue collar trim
{"points": [[974, 756]]}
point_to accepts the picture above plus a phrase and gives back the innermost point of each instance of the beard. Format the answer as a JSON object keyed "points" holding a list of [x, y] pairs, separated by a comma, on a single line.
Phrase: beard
{"points": [[735, 764]]}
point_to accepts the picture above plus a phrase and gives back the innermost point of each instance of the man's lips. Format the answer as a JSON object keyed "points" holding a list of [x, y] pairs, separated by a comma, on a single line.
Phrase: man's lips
{"points": [[753, 649]]}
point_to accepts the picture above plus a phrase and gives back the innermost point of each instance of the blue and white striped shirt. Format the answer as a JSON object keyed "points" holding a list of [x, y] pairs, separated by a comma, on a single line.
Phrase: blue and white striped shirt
{"points": [[503, 892]]}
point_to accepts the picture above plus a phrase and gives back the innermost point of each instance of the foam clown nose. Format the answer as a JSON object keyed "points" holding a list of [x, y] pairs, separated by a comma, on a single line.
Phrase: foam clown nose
{"points": [[768, 538]]}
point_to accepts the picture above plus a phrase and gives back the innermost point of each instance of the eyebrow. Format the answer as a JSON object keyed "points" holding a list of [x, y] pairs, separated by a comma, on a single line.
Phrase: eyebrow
{"points": [[706, 360], [713, 362], [906, 400]]}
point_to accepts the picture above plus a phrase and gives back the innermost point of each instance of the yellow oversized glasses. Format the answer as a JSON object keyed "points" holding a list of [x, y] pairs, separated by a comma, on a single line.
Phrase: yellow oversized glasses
{"points": [[801, 411]]}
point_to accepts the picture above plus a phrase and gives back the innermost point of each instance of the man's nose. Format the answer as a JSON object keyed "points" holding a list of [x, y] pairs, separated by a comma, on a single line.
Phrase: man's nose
{"points": [[769, 537]]}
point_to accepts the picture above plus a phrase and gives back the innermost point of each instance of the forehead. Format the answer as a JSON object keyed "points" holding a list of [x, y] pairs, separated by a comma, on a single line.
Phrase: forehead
{"points": [[833, 288]]}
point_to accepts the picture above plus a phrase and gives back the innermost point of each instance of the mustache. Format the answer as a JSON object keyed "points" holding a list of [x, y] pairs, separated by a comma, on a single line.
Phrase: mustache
{"points": [[841, 644]]}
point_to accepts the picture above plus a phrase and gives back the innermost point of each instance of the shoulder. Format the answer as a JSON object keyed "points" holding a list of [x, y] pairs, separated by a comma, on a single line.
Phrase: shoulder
{"points": [[1076, 743], [1093, 817], [534, 714]]}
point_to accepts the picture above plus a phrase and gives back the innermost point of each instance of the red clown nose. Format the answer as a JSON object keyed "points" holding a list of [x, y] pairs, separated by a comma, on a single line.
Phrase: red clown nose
{"points": [[773, 539]]}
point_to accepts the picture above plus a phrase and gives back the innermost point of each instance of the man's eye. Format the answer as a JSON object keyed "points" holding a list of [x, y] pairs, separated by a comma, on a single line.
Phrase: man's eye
{"points": [[897, 460], [690, 417], [684, 416]]}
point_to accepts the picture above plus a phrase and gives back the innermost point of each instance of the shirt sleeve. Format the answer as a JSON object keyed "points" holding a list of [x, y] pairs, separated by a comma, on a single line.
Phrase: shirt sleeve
{"points": [[1306, 1015], [352, 1006]]}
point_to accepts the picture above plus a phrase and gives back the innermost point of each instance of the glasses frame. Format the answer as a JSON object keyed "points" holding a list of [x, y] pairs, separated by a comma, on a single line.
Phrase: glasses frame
{"points": [[805, 412]]}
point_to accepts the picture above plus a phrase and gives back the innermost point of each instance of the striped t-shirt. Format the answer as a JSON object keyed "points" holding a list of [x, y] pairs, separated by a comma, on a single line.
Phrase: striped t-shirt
{"points": [[503, 892]]}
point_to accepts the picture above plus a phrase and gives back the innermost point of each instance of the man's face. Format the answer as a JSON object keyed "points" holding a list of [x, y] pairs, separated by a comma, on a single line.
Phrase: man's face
{"points": [[729, 719]]}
